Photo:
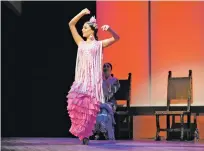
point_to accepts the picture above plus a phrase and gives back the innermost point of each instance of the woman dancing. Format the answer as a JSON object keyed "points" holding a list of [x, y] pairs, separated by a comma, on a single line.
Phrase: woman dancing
{"points": [[86, 93]]}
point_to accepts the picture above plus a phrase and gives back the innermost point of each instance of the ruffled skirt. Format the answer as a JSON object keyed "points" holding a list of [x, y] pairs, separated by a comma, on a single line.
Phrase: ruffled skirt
{"points": [[83, 109]]}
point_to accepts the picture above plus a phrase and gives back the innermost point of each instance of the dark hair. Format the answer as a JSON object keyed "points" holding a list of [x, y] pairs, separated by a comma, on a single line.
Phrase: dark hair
{"points": [[109, 65], [94, 29]]}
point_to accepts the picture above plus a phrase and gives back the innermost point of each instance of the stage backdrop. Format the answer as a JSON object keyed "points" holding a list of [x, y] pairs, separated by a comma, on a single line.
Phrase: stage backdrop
{"points": [[176, 44], [130, 54]]}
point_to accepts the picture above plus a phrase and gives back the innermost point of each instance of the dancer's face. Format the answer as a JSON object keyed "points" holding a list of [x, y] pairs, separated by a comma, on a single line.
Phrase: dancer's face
{"points": [[87, 31], [107, 69]]}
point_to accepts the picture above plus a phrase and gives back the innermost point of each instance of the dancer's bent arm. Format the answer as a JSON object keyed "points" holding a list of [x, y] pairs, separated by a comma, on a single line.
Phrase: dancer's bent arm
{"points": [[115, 37], [72, 25]]}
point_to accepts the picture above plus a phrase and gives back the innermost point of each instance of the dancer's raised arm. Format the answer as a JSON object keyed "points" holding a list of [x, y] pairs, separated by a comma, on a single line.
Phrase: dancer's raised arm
{"points": [[72, 25]]}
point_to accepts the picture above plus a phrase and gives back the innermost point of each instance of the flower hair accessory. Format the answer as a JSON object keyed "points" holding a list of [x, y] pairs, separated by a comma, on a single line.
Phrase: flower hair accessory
{"points": [[93, 21]]}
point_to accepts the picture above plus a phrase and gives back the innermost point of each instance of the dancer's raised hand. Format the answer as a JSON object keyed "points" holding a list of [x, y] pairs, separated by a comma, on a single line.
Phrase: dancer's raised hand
{"points": [[85, 11], [105, 27]]}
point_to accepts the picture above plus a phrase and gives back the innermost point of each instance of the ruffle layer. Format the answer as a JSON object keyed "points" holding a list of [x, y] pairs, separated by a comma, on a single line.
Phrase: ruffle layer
{"points": [[82, 109]]}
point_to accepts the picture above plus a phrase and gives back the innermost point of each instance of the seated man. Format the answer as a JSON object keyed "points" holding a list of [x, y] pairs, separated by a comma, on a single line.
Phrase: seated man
{"points": [[105, 120]]}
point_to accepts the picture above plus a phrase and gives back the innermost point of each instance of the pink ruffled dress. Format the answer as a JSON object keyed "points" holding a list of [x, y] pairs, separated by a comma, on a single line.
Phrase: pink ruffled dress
{"points": [[86, 93]]}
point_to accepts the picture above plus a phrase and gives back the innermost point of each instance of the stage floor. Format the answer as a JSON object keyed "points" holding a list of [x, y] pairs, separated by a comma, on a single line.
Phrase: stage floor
{"points": [[72, 144]]}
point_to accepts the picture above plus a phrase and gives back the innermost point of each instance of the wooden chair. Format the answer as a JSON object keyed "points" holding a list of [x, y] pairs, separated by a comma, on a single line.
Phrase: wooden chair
{"points": [[123, 118], [179, 88]]}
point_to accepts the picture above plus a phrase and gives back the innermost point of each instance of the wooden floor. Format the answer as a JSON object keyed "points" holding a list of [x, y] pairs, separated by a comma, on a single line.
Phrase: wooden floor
{"points": [[72, 144]]}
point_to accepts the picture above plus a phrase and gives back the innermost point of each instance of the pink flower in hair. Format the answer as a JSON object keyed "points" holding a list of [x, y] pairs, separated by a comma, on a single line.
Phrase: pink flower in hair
{"points": [[92, 19]]}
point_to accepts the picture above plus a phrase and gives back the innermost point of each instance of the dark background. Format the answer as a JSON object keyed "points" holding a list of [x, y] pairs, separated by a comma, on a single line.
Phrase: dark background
{"points": [[38, 64]]}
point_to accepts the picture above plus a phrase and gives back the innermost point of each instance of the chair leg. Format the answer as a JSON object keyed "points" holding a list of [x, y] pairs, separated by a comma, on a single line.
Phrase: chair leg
{"points": [[173, 119], [182, 126], [189, 127], [128, 125], [157, 138], [118, 128], [117, 132], [167, 126]]}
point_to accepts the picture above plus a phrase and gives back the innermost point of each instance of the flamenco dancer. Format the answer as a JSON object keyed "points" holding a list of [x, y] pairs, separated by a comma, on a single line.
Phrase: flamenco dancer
{"points": [[86, 93]]}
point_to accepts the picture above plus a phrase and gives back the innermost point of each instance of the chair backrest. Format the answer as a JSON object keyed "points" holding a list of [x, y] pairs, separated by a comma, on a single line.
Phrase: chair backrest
{"points": [[124, 91], [179, 88]]}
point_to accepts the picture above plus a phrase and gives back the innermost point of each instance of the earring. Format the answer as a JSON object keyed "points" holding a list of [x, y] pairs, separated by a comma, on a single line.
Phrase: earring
{"points": [[91, 37]]}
